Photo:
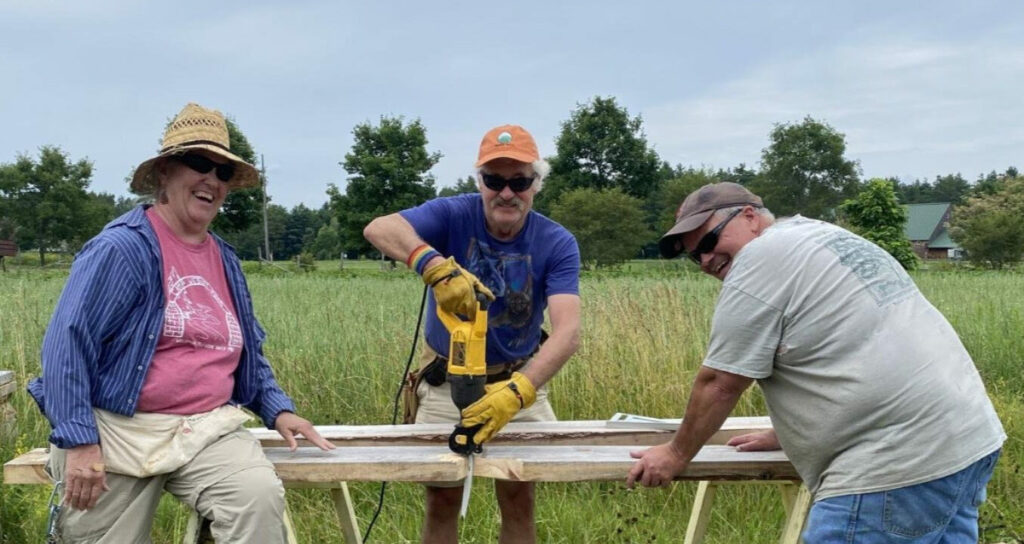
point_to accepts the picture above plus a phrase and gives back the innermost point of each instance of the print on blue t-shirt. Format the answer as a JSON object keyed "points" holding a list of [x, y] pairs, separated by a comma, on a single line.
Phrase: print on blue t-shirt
{"points": [[542, 260]]}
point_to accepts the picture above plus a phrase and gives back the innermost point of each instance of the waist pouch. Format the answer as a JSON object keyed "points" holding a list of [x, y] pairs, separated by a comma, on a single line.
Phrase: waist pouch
{"points": [[148, 444]]}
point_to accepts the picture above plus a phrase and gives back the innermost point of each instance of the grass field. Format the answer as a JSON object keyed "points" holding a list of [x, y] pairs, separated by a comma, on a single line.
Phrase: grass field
{"points": [[338, 341]]}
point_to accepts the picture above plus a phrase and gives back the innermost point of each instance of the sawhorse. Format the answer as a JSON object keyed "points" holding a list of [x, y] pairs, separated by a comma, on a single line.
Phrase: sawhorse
{"points": [[796, 499]]}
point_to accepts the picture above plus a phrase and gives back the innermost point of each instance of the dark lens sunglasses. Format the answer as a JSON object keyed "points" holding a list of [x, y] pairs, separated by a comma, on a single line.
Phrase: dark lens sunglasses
{"points": [[708, 242], [203, 165], [517, 184]]}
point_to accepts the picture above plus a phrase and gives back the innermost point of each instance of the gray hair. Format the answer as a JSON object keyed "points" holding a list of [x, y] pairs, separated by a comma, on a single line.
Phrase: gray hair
{"points": [[765, 213], [158, 195], [540, 167]]}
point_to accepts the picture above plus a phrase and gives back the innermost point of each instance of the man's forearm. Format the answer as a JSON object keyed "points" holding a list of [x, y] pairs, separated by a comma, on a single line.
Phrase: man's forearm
{"points": [[551, 356], [393, 236], [711, 402]]}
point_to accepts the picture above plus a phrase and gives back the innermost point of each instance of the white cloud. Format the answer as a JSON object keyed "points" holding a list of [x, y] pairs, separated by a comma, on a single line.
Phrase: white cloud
{"points": [[907, 108]]}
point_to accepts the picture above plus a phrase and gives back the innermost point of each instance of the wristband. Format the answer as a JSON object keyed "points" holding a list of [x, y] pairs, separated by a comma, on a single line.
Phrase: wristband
{"points": [[420, 256]]}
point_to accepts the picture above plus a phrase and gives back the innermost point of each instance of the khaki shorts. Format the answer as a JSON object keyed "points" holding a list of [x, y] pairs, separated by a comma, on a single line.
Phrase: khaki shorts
{"points": [[436, 406]]}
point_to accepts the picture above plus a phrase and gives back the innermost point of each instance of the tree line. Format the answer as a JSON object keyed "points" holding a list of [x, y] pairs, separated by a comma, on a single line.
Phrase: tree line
{"points": [[607, 185]]}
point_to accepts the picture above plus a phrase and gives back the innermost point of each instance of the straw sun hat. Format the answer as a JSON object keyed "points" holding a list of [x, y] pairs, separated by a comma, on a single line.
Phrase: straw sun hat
{"points": [[195, 127]]}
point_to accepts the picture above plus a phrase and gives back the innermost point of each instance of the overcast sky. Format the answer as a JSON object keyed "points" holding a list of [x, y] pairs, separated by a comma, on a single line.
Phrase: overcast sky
{"points": [[919, 89]]}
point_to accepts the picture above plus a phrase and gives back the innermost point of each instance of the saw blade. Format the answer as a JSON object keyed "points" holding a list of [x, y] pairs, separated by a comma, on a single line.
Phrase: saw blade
{"points": [[467, 487]]}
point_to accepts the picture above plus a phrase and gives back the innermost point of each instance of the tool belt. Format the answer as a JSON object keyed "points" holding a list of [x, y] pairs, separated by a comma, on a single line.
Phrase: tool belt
{"points": [[435, 372]]}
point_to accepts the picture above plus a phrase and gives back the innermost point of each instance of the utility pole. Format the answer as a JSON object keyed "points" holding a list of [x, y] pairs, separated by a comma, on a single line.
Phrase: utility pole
{"points": [[266, 229]]}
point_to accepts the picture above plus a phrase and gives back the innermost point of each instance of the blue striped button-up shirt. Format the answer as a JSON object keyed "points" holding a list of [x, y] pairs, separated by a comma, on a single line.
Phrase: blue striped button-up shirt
{"points": [[104, 331]]}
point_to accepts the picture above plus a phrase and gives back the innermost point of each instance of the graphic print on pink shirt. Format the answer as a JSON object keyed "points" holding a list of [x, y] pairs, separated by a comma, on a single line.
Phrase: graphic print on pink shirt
{"points": [[205, 324], [196, 356]]}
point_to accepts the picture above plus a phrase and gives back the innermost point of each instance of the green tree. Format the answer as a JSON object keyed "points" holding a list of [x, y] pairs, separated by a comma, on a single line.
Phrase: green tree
{"points": [[608, 224], [47, 199], [466, 185], [918, 192], [300, 228], [950, 188], [672, 193], [98, 210], [740, 174], [387, 170], [804, 171], [602, 147], [876, 214], [989, 227], [327, 243], [277, 219], [992, 182]]}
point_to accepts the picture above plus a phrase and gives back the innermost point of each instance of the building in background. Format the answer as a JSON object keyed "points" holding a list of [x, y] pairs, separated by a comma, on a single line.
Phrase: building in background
{"points": [[927, 229]]}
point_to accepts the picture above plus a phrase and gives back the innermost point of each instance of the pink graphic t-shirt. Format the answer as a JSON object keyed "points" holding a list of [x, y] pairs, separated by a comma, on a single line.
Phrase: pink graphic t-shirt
{"points": [[197, 353]]}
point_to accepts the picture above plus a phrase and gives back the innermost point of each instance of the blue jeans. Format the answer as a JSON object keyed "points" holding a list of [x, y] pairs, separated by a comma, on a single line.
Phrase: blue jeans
{"points": [[942, 511]]}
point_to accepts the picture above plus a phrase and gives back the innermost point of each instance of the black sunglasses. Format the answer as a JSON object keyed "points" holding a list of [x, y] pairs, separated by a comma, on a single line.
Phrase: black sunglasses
{"points": [[497, 183], [708, 242], [203, 164]]}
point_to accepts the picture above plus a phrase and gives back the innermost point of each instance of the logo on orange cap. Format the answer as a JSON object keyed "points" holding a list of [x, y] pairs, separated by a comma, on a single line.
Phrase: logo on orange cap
{"points": [[509, 142]]}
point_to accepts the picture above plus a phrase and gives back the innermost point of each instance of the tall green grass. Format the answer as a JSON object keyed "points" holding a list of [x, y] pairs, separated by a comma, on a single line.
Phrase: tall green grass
{"points": [[338, 341]]}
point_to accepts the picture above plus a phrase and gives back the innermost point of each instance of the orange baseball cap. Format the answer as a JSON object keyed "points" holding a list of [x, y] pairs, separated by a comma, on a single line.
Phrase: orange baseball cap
{"points": [[507, 141]]}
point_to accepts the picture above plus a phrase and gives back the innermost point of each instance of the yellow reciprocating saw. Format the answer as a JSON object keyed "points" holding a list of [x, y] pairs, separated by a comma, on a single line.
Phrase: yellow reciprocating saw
{"points": [[467, 368]]}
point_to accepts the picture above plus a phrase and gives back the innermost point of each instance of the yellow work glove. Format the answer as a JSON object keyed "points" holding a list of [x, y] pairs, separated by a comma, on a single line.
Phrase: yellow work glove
{"points": [[455, 287], [497, 407]]}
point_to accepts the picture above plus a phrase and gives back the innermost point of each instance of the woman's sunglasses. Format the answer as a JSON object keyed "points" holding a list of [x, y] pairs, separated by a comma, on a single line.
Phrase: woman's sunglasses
{"points": [[203, 165], [708, 242], [518, 184]]}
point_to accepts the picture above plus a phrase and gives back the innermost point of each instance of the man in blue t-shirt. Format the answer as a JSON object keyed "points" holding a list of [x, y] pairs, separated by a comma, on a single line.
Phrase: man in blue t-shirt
{"points": [[494, 243]]}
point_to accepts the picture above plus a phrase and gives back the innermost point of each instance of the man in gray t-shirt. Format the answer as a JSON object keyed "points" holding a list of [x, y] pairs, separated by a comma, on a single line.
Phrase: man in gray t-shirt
{"points": [[871, 393]]}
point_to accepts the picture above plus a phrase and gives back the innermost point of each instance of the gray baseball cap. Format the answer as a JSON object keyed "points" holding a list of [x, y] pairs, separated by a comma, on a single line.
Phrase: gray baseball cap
{"points": [[698, 207]]}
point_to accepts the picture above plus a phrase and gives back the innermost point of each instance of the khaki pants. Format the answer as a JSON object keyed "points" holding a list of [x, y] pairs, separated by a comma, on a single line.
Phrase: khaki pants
{"points": [[230, 482]]}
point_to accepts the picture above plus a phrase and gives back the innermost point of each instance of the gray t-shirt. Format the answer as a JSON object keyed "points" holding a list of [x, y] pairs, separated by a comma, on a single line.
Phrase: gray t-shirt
{"points": [[868, 386]]}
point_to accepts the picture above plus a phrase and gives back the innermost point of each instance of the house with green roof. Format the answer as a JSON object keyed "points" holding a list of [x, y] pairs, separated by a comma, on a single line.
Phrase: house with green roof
{"points": [[927, 229]]}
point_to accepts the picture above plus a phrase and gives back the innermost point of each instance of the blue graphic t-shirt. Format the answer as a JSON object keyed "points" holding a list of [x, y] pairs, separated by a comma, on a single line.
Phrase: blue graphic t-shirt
{"points": [[542, 260]]}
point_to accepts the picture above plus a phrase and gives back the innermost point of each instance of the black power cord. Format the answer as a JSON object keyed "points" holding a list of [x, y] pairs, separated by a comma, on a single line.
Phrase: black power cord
{"points": [[394, 413]]}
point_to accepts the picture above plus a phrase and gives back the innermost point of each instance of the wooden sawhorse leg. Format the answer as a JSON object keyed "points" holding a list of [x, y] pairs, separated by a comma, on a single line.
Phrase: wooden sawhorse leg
{"points": [[346, 515], [701, 513], [342, 507], [796, 499]]}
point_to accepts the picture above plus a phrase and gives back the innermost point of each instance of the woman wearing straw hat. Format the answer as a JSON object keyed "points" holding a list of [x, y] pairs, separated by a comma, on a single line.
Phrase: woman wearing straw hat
{"points": [[150, 352]]}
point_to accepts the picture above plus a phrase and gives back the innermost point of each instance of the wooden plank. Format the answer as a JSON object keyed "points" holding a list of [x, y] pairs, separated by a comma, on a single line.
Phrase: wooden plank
{"points": [[596, 432], [517, 463], [368, 463], [437, 463], [27, 468], [588, 463], [310, 467]]}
